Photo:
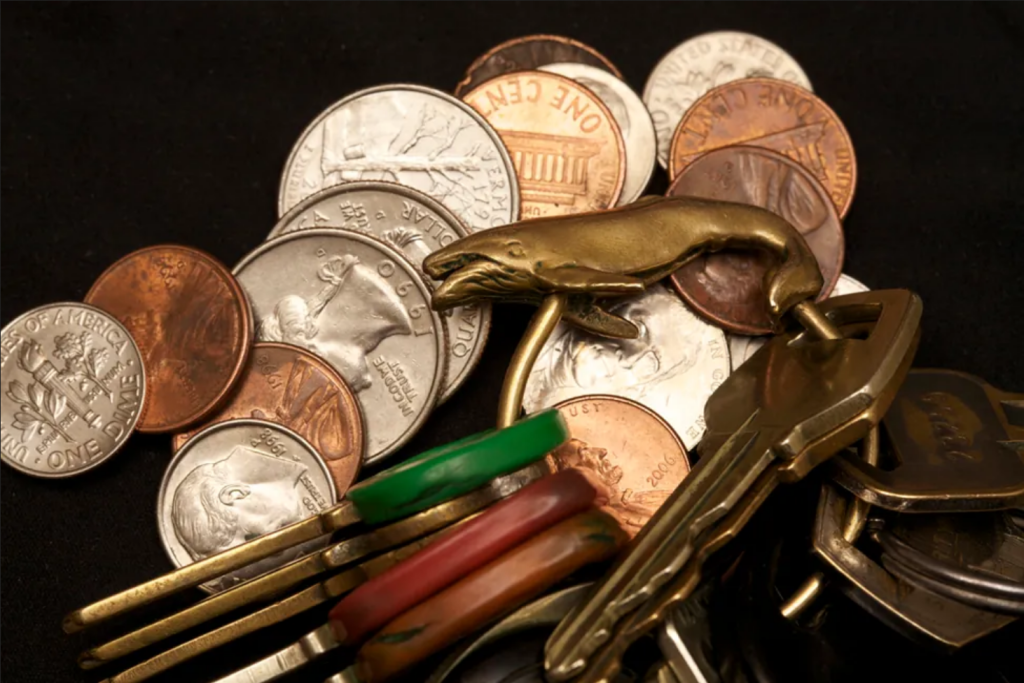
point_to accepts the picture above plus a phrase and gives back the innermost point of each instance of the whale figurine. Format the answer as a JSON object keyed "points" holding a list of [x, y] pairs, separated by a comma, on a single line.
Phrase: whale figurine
{"points": [[618, 252]]}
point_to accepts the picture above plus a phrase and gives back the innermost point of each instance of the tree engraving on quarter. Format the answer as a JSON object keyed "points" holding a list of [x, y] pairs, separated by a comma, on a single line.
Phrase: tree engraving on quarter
{"points": [[73, 389], [705, 62], [292, 387], [629, 450], [415, 136], [568, 151], [776, 115], [357, 303], [237, 481], [191, 322], [672, 367], [415, 225]]}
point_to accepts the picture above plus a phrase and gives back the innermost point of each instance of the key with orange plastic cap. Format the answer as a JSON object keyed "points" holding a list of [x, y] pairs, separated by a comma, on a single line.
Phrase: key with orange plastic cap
{"points": [[506, 525], [486, 595], [445, 560]]}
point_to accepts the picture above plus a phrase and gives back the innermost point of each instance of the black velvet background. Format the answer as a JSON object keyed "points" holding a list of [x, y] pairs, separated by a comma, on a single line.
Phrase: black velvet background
{"points": [[128, 125]]}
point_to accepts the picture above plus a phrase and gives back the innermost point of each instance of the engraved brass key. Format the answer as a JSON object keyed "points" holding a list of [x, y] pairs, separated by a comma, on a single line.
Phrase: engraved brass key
{"points": [[791, 406], [960, 446]]}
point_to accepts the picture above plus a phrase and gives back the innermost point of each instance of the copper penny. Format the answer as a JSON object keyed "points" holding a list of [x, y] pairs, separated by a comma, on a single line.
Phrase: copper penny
{"points": [[530, 52], [727, 287], [629, 451], [777, 115], [192, 323], [292, 387], [568, 151]]}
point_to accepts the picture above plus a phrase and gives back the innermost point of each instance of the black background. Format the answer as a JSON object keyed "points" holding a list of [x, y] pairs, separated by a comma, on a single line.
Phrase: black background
{"points": [[129, 125]]}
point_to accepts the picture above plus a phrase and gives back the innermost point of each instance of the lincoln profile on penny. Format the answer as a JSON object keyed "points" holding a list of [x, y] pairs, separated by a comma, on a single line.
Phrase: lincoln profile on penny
{"points": [[227, 502]]}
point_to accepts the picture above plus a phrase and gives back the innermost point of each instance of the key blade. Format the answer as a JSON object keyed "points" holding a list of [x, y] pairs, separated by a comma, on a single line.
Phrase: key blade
{"points": [[296, 655], [661, 547]]}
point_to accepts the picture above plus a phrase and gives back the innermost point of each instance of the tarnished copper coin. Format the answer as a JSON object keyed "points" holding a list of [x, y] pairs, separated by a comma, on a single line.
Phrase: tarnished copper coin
{"points": [[629, 450], [529, 52], [294, 388], [777, 115], [727, 288], [192, 323], [568, 151]]}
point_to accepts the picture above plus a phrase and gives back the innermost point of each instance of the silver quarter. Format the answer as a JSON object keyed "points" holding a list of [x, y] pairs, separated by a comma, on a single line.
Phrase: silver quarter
{"points": [[742, 347], [672, 367], [414, 224], [361, 306], [73, 389], [414, 136], [233, 482], [631, 115], [704, 62]]}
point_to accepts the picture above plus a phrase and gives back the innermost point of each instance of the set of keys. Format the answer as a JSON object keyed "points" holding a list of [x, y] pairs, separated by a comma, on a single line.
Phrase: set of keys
{"points": [[279, 382]]}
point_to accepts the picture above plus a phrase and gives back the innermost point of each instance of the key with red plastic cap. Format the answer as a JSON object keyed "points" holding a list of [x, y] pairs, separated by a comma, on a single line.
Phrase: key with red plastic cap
{"points": [[507, 524], [488, 593]]}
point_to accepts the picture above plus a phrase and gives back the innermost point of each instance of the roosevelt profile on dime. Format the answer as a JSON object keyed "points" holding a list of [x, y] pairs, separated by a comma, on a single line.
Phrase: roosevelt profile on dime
{"points": [[224, 503]]}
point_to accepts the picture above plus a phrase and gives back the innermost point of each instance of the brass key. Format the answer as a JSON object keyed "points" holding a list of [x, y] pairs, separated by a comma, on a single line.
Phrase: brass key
{"points": [[791, 406], [960, 446]]}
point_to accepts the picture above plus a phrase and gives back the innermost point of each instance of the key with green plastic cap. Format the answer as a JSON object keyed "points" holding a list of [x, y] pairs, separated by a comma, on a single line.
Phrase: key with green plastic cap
{"points": [[431, 478]]}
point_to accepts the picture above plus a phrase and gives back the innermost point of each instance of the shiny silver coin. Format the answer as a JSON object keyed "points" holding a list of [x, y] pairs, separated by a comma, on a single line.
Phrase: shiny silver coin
{"points": [[672, 367], [629, 112], [73, 389], [742, 347], [236, 481], [414, 136], [704, 62], [361, 306], [414, 224]]}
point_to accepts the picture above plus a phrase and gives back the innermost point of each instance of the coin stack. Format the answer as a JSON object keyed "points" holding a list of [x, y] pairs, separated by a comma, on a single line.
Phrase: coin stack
{"points": [[321, 351]]}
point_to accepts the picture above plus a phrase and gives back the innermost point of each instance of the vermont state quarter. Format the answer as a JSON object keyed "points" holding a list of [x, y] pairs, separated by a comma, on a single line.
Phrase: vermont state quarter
{"points": [[742, 347], [672, 367], [704, 62], [414, 136], [414, 224], [236, 481], [360, 305], [629, 112], [73, 389]]}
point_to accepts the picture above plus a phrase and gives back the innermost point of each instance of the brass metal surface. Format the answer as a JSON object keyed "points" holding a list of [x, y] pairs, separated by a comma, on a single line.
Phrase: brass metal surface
{"points": [[914, 611], [510, 402], [853, 525], [959, 443], [615, 253], [190, 576], [793, 404], [276, 582]]}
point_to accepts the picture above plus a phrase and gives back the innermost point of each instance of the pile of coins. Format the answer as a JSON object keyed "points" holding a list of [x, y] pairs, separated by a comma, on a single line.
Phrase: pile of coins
{"points": [[324, 350]]}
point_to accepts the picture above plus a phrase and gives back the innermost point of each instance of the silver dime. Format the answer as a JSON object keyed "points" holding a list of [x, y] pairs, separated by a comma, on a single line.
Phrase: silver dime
{"points": [[73, 389], [704, 62], [672, 367], [414, 224], [233, 482], [361, 306], [412, 135], [742, 347], [631, 115]]}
